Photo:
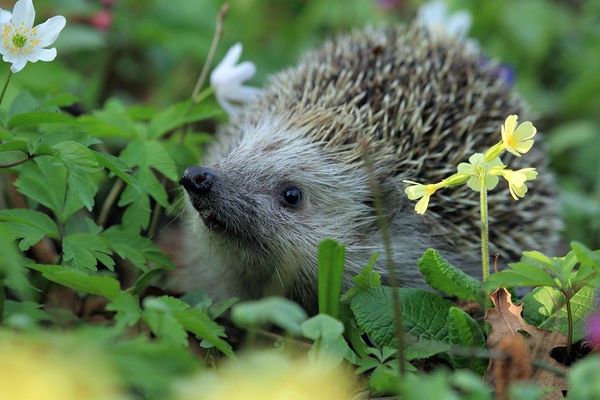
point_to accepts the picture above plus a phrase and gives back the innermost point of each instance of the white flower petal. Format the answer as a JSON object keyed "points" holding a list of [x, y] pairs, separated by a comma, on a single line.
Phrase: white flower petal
{"points": [[228, 107], [458, 24], [48, 32], [5, 16], [241, 72], [431, 13], [244, 94], [231, 57], [42, 55], [18, 65], [23, 13]]}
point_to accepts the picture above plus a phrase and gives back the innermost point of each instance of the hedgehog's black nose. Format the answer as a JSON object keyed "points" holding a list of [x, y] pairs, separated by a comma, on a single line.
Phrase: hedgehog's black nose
{"points": [[197, 180]]}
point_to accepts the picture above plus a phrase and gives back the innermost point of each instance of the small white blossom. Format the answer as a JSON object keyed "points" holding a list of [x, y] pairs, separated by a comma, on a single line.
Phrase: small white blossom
{"points": [[21, 41], [227, 80], [434, 17]]}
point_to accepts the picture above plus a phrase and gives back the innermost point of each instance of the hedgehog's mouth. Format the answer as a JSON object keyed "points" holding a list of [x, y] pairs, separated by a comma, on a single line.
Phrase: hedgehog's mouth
{"points": [[215, 224]]}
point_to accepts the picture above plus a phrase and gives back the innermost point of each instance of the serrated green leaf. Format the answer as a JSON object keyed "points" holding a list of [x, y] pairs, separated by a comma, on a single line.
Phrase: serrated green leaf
{"points": [[585, 255], [129, 245], [271, 310], [330, 270], [81, 190], [76, 156], [425, 314], [116, 166], [201, 325], [464, 331], [46, 183], [128, 309], [545, 308], [84, 250], [165, 326], [29, 225], [137, 214], [100, 285], [150, 154], [520, 274], [12, 265], [23, 314], [448, 279]]}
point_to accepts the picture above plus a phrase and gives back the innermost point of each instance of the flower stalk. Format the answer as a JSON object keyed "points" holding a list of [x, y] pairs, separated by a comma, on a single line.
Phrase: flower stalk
{"points": [[10, 74], [485, 252]]}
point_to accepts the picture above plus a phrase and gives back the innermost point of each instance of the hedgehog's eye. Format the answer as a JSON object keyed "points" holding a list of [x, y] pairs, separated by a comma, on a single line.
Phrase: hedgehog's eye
{"points": [[291, 196]]}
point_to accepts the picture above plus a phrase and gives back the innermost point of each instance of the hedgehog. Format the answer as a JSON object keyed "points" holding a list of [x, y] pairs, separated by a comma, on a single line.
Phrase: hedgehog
{"points": [[288, 170]]}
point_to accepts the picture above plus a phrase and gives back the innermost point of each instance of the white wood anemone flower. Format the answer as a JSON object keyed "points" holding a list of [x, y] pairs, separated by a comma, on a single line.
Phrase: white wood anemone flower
{"points": [[227, 81], [434, 17], [21, 42]]}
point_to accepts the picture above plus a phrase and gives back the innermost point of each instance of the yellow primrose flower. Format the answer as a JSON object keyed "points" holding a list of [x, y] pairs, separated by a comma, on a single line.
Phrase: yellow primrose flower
{"points": [[269, 375], [422, 192], [478, 167], [52, 367], [517, 139], [516, 181]]}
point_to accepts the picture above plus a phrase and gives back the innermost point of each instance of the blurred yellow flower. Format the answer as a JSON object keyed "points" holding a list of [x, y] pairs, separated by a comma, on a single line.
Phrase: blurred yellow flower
{"points": [[516, 181], [422, 192], [517, 139], [53, 368], [269, 375]]}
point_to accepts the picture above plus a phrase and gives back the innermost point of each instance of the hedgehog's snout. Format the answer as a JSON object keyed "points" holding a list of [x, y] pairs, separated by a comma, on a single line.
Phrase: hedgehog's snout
{"points": [[197, 180]]}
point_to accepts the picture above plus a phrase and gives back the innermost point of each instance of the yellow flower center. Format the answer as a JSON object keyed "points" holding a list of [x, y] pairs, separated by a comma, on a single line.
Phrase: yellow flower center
{"points": [[19, 40]]}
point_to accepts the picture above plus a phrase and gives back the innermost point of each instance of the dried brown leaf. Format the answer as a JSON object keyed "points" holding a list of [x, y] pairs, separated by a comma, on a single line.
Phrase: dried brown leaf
{"points": [[506, 320]]}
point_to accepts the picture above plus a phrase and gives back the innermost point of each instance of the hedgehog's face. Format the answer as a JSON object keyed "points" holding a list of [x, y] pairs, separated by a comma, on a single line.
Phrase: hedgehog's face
{"points": [[274, 195]]}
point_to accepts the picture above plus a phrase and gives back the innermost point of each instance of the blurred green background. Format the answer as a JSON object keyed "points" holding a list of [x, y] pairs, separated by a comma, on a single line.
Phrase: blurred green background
{"points": [[151, 52]]}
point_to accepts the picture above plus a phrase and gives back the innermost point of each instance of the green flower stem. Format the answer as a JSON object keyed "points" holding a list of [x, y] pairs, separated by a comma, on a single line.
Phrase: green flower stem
{"points": [[203, 95], [569, 326], [10, 74], [1, 299], [485, 252]]}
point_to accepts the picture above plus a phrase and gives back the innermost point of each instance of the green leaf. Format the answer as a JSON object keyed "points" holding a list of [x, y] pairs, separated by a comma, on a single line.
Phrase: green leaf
{"points": [[84, 250], [464, 331], [365, 279], [328, 335], [163, 324], [100, 285], [12, 265], [521, 274], [137, 249], [448, 279], [116, 166], [24, 314], [200, 324], [585, 255], [423, 348], [331, 269], [179, 114], [137, 214], [545, 308], [39, 118], [29, 225], [34, 179], [583, 379], [150, 153], [425, 314], [76, 156], [128, 310], [271, 310]]}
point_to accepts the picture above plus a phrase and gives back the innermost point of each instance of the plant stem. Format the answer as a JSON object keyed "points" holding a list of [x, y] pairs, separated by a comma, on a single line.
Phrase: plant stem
{"points": [[10, 74], [1, 299], [485, 252], [385, 233], [156, 213], [211, 53], [15, 163], [569, 326], [108, 202]]}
